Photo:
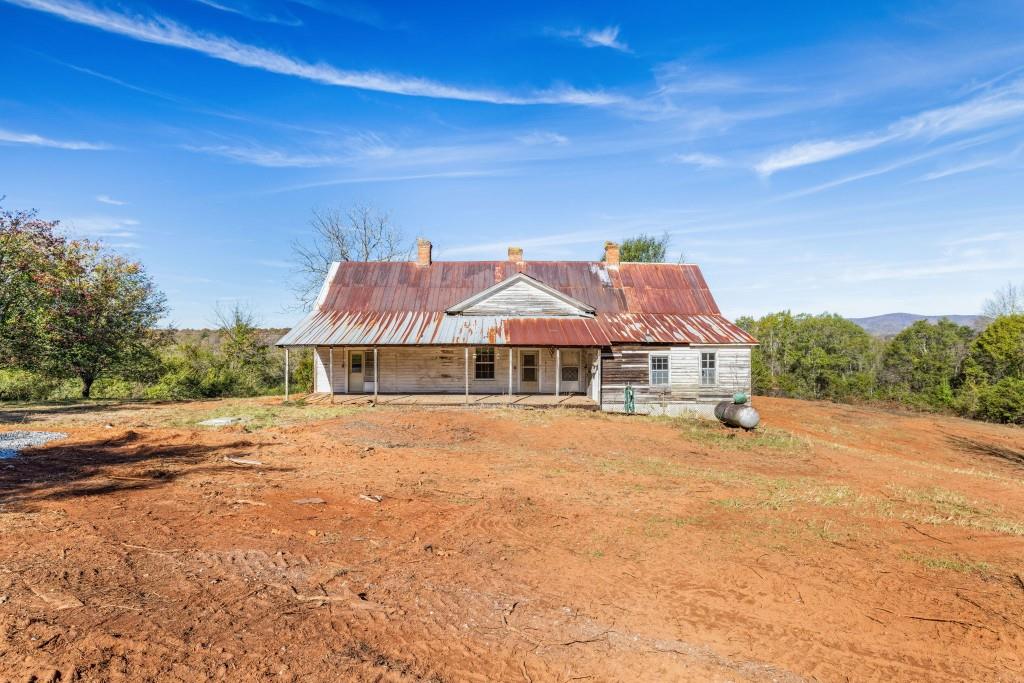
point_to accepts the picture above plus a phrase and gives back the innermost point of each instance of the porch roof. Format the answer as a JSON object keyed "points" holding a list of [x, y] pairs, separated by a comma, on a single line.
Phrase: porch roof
{"points": [[338, 328]]}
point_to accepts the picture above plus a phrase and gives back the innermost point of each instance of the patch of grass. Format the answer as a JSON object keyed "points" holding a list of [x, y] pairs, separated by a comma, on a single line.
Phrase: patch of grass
{"points": [[955, 563], [783, 494], [943, 507], [256, 417], [719, 436]]}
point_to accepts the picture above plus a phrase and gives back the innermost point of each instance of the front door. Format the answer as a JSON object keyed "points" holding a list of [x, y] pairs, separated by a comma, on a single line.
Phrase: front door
{"points": [[529, 370], [570, 371], [355, 372]]}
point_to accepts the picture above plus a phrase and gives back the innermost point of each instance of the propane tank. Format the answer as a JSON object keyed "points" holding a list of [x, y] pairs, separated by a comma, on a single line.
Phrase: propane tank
{"points": [[735, 414]]}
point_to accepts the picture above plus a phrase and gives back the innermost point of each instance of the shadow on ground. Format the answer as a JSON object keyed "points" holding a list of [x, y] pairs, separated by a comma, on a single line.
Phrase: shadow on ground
{"points": [[125, 462], [976, 447]]}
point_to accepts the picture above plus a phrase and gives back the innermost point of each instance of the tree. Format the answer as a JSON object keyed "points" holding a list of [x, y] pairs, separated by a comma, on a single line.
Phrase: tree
{"points": [[103, 318], [923, 364], [246, 354], [1007, 300], [808, 356], [998, 352], [359, 233], [32, 257], [644, 248]]}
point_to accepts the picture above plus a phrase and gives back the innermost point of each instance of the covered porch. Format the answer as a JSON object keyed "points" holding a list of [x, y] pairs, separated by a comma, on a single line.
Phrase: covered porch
{"points": [[478, 373]]}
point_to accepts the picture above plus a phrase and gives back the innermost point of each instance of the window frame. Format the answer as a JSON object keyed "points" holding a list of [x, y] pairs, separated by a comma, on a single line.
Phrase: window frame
{"points": [[479, 364], [667, 369], [713, 367]]}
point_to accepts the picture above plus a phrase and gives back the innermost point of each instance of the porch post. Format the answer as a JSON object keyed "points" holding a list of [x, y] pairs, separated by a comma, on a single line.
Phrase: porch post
{"points": [[558, 370], [466, 366], [330, 372], [286, 374], [376, 375], [510, 374]]}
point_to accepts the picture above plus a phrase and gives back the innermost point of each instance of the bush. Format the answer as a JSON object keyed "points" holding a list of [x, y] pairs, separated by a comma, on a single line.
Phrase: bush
{"points": [[22, 385], [1002, 401]]}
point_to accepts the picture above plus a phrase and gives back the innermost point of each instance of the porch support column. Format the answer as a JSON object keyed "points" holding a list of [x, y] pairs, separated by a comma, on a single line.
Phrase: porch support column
{"points": [[510, 374], [330, 371], [376, 375], [466, 366], [558, 370], [286, 374]]}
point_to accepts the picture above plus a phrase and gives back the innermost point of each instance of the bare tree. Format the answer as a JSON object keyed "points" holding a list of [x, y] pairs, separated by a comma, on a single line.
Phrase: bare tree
{"points": [[1007, 300], [358, 233]]}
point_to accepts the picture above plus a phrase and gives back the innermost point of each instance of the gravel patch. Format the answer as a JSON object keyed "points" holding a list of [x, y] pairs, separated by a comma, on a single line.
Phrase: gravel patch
{"points": [[12, 442]]}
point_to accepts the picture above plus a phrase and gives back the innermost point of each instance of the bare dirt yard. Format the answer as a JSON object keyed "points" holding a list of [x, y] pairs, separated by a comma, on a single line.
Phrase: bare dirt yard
{"points": [[314, 542]]}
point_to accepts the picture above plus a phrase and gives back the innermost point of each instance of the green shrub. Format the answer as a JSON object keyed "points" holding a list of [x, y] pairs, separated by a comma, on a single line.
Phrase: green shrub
{"points": [[1002, 401]]}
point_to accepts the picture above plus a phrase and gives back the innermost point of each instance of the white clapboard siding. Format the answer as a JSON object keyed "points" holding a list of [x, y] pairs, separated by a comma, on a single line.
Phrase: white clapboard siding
{"points": [[321, 382], [522, 299]]}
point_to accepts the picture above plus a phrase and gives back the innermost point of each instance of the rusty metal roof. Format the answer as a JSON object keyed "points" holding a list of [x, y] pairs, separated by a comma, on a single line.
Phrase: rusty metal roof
{"points": [[381, 304]]}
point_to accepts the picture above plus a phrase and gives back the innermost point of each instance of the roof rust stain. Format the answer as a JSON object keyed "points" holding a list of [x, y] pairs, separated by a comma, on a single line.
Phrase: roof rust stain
{"points": [[400, 303]]}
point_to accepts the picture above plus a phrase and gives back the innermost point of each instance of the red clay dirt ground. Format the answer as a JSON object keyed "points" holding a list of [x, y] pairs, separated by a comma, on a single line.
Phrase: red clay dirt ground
{"points": [[835, 544]]}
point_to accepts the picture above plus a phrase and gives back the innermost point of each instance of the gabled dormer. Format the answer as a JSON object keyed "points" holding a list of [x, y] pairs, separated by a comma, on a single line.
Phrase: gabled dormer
{"points": [[525, 297]]}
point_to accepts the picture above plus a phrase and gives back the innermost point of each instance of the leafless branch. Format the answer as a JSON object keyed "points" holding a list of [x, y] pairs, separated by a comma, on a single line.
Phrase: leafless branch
{"points": [[357, 233]]}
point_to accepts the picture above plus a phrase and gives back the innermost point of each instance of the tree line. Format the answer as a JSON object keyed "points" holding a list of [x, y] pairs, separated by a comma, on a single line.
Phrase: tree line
{"points": [[942, 366], [77, 319]]}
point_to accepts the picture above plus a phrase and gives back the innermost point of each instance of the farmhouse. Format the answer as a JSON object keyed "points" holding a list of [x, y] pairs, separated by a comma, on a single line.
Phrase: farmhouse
{"points": [[517, 329]]}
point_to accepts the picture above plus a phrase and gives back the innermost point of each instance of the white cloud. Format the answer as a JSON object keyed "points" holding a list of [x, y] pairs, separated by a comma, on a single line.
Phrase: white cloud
{"points": [[540, 137], [104, 199], [103, 227], [270, 158], [595, 37], [162, 31], [994, 107], [805, 153], [963, 168], [700, 160], [251, 11], [14, 138]]}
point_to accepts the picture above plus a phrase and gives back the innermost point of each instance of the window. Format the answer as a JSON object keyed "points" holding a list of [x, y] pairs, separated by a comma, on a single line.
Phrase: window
{"points": [[708, 368], [484, 363], [571, 373], [659, 369]]}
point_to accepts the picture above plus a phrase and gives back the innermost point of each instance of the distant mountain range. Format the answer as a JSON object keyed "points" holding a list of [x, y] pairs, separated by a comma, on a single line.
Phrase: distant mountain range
{"points": [[889, 324]]}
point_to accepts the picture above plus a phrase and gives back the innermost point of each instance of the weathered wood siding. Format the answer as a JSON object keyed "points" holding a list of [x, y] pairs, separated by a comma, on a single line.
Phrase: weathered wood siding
{"points": [[522, 299], [631, 364]]}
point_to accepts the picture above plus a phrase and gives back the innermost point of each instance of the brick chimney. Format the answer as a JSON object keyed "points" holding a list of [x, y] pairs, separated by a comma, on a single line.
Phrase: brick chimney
{"points": [[423, 249], [611, 254], [515, 254]]}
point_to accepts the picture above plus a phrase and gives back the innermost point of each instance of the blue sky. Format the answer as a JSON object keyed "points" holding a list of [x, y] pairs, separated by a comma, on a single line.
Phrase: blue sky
{"points": [[859, 158]]}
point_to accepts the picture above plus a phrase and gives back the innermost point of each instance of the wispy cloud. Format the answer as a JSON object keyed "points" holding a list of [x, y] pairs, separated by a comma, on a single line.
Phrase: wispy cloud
{"points": [[14, 138], [358, 180], [254, 11], [105, 199], [593, 37], [162, 31], [962, 168], [891, 166], [700, 160], [269, 158], [105, 228], [541, 137], [994, 107]]}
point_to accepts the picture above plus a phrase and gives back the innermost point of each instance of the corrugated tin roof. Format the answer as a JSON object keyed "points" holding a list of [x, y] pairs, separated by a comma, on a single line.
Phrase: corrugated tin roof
{"points": [[404, 304]]}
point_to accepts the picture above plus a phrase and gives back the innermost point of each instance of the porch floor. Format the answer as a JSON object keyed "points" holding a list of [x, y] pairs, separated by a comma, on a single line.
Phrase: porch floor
{"points": [[577, 401]]}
